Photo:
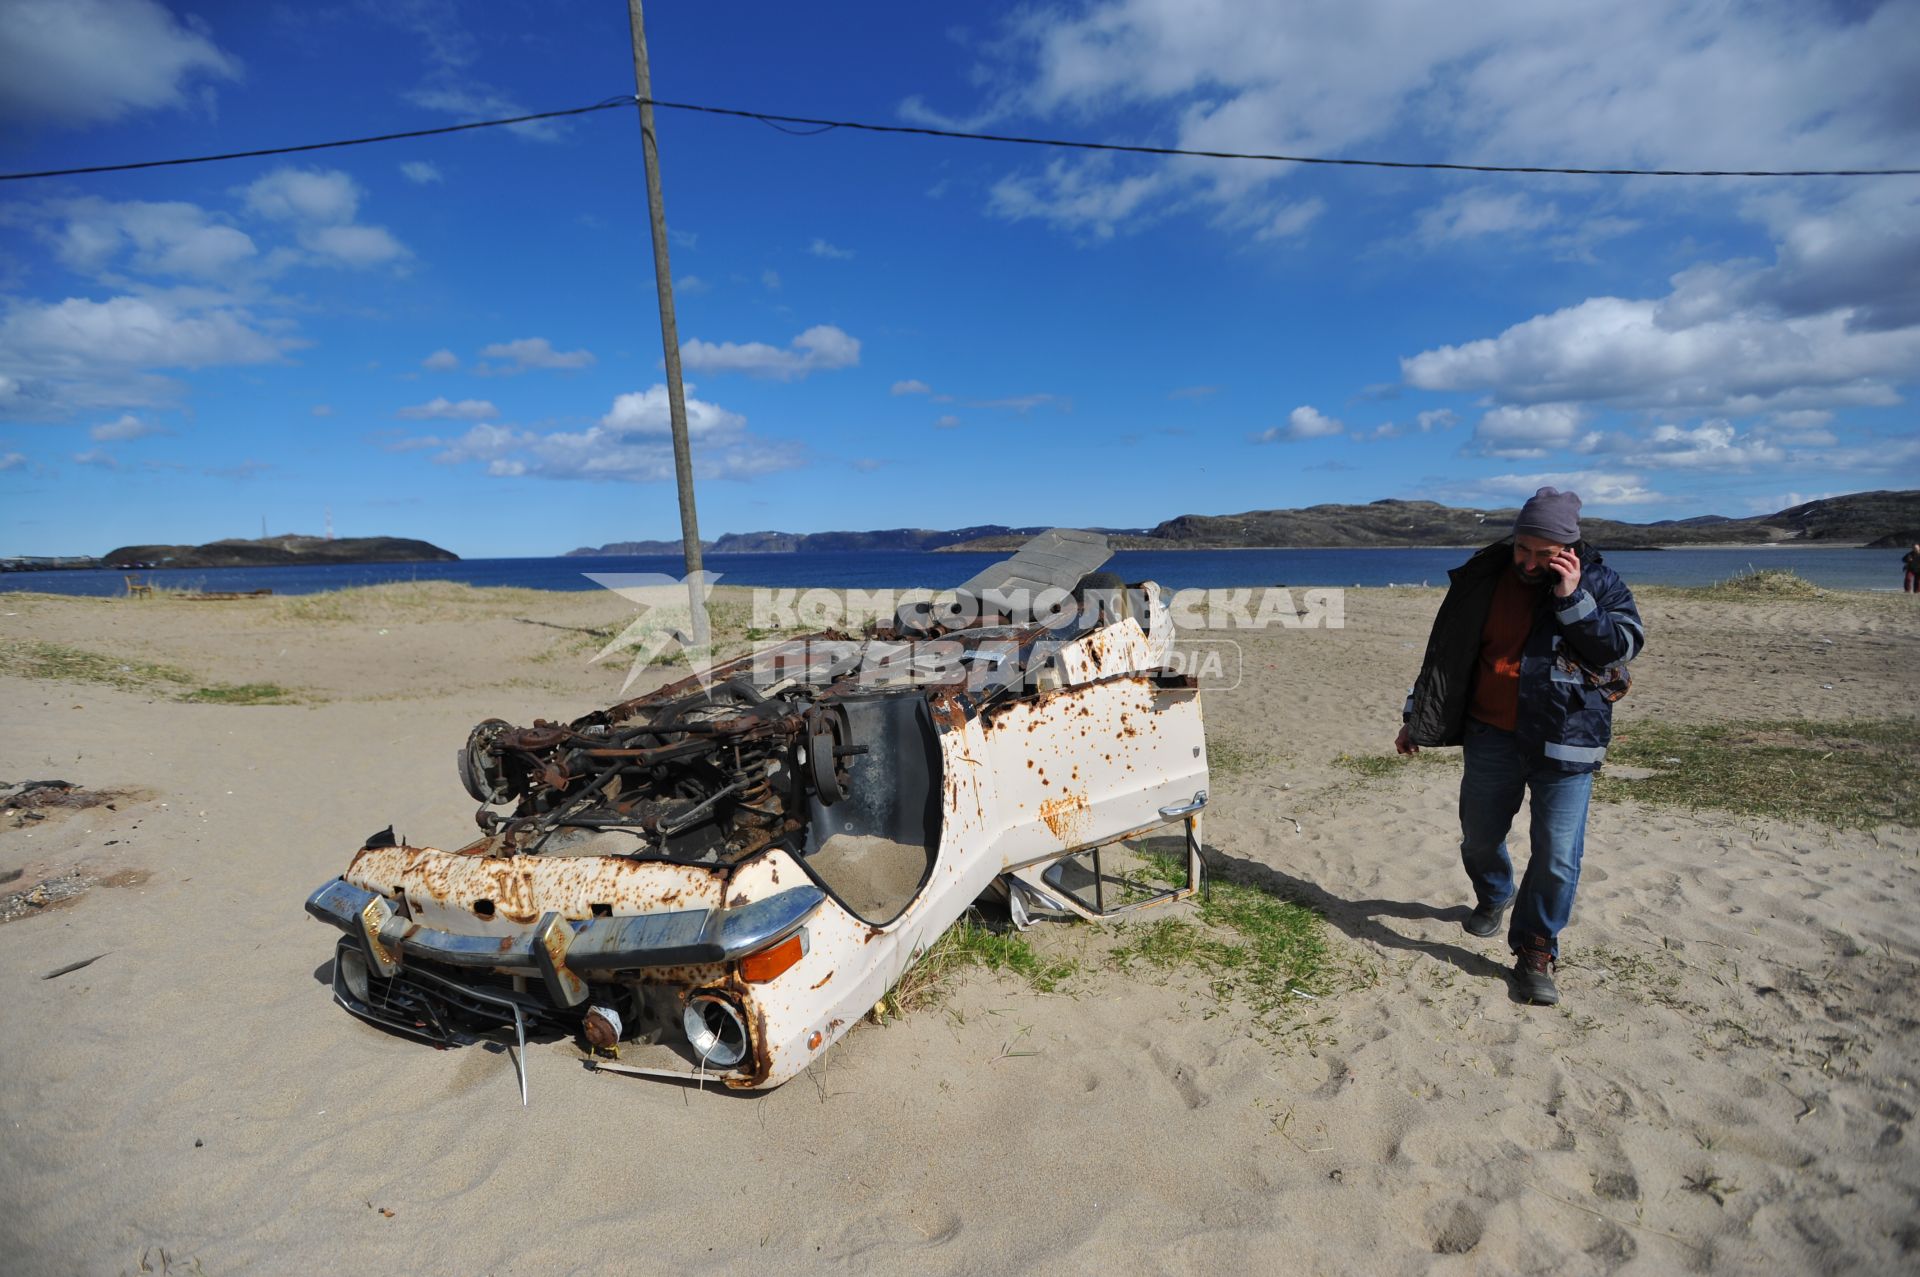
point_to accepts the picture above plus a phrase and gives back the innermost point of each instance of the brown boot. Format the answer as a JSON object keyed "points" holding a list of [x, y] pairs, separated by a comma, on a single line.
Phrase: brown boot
{"points": [[1533, 972]]}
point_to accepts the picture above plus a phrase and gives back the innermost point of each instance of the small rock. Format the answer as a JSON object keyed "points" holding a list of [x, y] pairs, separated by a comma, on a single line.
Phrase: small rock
{"points": [[199, 1143]]}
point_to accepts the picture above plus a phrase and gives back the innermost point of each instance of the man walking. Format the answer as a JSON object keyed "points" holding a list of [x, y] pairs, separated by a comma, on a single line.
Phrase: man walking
{"points": [[1522, 669]]}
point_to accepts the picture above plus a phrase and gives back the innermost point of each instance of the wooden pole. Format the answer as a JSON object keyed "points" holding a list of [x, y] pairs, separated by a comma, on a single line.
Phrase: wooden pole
{"points": [[669, 332]]}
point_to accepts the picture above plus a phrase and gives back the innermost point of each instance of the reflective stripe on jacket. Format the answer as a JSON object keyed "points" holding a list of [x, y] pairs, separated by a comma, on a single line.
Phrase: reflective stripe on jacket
{"points": [[1560, 715]]}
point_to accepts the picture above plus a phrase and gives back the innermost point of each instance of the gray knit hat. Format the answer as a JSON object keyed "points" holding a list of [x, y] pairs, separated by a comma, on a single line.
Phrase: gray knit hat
{"points": [[1552, 515]]}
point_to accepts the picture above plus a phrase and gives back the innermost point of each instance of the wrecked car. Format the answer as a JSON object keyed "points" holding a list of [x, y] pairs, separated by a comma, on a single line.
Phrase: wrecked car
{"points": [[717, 879]]}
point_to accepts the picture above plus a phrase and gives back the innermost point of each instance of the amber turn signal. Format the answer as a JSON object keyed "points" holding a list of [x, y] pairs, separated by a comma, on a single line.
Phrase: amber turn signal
{"points": [[758, 968]]}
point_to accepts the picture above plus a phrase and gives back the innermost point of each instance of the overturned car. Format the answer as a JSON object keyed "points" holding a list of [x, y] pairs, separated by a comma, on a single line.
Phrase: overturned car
{"points": [[717, 879]]}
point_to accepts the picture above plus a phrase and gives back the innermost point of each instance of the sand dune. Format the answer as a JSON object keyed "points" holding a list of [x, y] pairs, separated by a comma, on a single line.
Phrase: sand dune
{"points": [[1728, 1086]]}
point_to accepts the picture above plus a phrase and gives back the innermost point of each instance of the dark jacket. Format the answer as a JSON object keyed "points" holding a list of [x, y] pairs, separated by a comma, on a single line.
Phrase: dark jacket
{"points": [[1562, 715]]}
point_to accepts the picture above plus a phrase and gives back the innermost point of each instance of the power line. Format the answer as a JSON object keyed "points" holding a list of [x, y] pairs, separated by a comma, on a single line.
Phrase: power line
{"points": [[607, 105], [824, 125], [816, 126]]}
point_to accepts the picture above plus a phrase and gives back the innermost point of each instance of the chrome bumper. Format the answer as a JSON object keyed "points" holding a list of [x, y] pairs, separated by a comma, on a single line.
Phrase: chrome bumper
{"points": [[563, 951]]}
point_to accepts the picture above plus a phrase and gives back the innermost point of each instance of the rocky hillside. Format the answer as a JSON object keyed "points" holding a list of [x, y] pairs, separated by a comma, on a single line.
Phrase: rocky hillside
{"points": [[1877, 518], [269, 551]]}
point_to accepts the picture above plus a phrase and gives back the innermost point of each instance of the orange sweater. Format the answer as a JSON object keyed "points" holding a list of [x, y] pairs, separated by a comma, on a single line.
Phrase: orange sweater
{"points": [[1496, 678]]}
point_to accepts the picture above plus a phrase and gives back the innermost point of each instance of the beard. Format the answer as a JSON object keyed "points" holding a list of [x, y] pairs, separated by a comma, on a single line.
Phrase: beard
{"points": [[1530, 576]]}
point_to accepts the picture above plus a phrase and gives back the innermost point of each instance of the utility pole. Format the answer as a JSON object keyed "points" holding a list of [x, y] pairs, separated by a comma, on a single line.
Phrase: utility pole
{"points": [[669, 332]]}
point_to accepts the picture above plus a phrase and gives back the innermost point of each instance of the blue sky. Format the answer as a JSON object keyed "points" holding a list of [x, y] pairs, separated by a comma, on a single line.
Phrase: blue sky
{"points": [[456, 338]]}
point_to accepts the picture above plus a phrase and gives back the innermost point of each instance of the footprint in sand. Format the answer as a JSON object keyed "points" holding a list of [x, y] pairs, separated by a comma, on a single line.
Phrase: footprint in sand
{"points": [[1456, 1228], [1616, 1186], [1536, 1132]]}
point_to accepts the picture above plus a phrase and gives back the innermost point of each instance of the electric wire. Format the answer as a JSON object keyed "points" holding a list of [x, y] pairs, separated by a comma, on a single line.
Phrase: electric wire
{"points": [[815, 126], [606, 105]]}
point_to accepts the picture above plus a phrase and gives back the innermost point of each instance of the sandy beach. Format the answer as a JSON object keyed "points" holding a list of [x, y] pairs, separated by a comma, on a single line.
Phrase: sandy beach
{"points": [[1728, 1086]]}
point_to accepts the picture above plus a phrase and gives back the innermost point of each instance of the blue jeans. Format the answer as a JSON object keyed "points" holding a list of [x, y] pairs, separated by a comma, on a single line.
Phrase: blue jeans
{"points": [[1498, 772]]}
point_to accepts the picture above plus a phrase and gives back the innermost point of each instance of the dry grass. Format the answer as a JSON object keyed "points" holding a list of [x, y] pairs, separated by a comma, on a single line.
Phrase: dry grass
{"points": [[1851, 775], [60, 662], [1758, 585]]}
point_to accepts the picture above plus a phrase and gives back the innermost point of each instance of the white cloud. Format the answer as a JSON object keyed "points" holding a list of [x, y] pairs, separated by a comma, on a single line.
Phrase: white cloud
{"points": [[820, 248], [867, 465], [128, 427], [75, 335], [1860, 253], [1831, 323], [1480, 211], [1714, 445], [1667, 83], [911, 386], [770, 279], [1021, 405], [649, 412], [947, 422], [441, 361], [1304, 422], [440, 408], [77, 62], [171, 238], [1805, 419], [1078, 195], [527, 353], [1288, 220], [914, 110], [354, 245], [473, 101], [421, 173], [98, 458], [1438, 419], [1893, 457], [1611, 350], [820, 348], [630, 443], [1785, 501], [1595, 487], [304, 195], [321, 204], [12, 461], [692, 285], [1529, 431], [322, 410]]}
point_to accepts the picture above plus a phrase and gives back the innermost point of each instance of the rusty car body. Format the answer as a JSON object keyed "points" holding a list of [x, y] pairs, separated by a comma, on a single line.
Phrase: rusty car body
{"points": [[719, 878]]}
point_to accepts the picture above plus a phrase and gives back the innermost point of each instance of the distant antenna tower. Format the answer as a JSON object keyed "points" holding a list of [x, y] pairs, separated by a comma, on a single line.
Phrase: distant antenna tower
{"points": [[329, 523]]}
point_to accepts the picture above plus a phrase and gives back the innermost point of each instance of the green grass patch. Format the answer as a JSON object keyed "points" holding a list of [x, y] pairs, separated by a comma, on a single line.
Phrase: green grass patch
{"points": [[240, 694], [971, 944], [1256, 949], [1231, 758], [32, 659], [1850, 775]]}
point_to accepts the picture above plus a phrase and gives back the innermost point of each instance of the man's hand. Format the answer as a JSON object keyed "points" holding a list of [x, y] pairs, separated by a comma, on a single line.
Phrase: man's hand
{"points": [[1565, 567], [1403, 743]]}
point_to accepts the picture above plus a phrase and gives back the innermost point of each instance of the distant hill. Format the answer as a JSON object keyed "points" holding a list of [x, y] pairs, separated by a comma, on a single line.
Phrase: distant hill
{"points": [[271, 551], [817, 542], [1874, 518]]}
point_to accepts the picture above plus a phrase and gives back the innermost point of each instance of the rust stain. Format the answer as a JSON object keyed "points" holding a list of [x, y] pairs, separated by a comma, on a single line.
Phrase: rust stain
{"points": [[1066, 816], [823, 980]]}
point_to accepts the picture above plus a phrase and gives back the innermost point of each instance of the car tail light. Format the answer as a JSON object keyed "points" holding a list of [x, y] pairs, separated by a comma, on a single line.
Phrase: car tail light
{"points": [[758, 968]]}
